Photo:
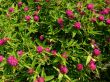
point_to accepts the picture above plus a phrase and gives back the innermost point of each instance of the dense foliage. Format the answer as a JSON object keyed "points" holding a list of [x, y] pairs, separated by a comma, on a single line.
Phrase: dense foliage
{"points": [[54, 40]]}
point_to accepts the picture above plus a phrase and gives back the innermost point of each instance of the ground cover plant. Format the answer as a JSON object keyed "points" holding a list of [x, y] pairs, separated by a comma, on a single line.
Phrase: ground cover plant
{"points": [[54, 40]]}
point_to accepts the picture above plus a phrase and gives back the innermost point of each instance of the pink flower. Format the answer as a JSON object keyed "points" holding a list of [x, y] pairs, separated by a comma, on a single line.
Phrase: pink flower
{"points": [[47, 49], [108, 21], [63, 69], [70, 14], [40, 79], [30, 71], [39, 49], [54, 52], [79, 67], [27, 18], [26, 9], [64, 55], [20, 4], [92, 66], [1, 58], [77, 25], [12, 61], [91, 61], [2, 42], [90, 6], [96, 52], [101, 18], [11, 9], [93, 19], [105, 11], [36, 18], [41, 37], [20, 52], [60, 21]]}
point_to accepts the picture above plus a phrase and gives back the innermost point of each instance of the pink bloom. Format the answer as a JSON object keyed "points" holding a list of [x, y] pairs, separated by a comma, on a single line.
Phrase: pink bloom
{"points": [[41, 37], [77, 25], [2, 42], [1, 58], [30, 71], [39, 49], [47, 49], [79, 67], [96, 52], [91, 61], [105, 11], [64, 55], [12, 61], [108, 21], [54, 52], [11, 9], [63, 69], [92, 66], [107, 2], [60, 21], [70, 14], [39, 7], [20, 4], [27, 18], [26, 9], [40, 79], [90, 6], [20, 52], [36, 18], [93, 19], [101, 18]]}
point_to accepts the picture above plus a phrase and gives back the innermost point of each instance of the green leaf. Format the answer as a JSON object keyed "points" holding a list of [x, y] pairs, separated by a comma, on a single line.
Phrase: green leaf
{"points": [[88, 59], [60, 76], [66, 76], [43, 74], [48, 78], [75, 80]]}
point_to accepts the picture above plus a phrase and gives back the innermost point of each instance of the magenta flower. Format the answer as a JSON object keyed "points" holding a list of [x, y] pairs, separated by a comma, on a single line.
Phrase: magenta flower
{"points": [[12, 61], [39, 49], [92, 66], [36, 18], [105, 11], [20, 4], [91, 61], [60, 21], [79, 67], [108, 21], [93, 19], [101, 18], [63, 69], [11, 9], [40, 79], [70, 14], [41, 37], [26, 9], [1, 58], [77, 25], [90, 6], [2, 42], [96, 52], [54, 52], [20, 52], [47, 49], [64, 55], [27, 18], [30, 71]]}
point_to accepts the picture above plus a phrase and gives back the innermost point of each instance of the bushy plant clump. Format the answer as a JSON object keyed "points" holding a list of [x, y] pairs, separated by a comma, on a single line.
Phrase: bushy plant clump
{"points": [[54, 40]]}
